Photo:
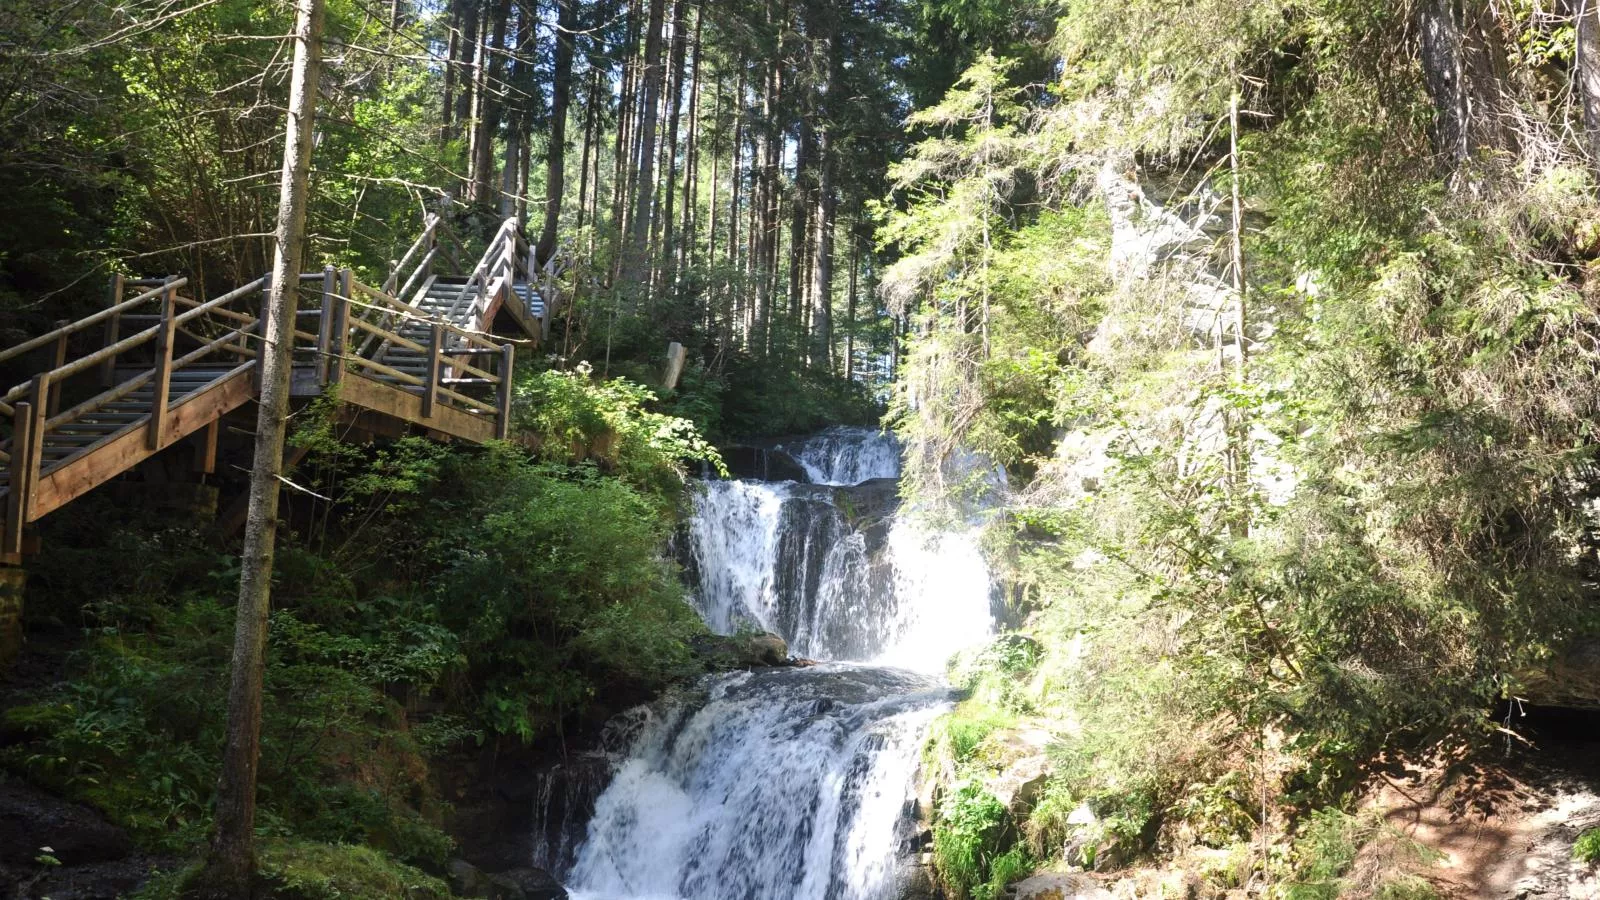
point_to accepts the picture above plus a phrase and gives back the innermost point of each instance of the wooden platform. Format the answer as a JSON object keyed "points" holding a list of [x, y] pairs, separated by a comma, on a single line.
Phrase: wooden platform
{"points": [[417, 353]]}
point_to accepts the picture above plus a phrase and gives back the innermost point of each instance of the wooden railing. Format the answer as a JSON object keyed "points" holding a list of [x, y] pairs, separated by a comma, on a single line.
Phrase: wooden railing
{"points": [[450, 351], [465, 387]]}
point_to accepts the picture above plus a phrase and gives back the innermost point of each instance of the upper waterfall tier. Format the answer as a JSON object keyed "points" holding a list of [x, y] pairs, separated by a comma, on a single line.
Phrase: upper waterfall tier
{"points": [[845, 456], [836, 572]]}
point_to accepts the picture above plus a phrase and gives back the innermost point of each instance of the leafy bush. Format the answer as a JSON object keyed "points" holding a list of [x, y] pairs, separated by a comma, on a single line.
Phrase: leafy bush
{"points": [[303, 870], [573, 418], [1587, 847], [967, 834]]}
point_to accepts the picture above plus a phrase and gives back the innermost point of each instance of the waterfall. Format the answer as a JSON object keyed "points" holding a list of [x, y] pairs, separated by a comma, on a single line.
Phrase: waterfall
{"points": [[793, 783], [844, 456], [783, 785]]}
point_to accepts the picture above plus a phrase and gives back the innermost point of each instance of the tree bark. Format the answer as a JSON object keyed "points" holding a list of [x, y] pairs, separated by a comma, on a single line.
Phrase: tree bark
{"points": [[231, 862], [1464, 67]]}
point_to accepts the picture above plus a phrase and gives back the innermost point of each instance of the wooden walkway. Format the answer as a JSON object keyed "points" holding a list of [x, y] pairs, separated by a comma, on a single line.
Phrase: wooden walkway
{"points": [[158, 366]]}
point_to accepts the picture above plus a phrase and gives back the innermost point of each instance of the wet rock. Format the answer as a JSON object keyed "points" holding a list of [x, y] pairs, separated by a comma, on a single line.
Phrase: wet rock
{"points": [[762, 464], [31, 819], [1059, 886], [1023, 768], [531, 884], [742, 651], [522, 883]]}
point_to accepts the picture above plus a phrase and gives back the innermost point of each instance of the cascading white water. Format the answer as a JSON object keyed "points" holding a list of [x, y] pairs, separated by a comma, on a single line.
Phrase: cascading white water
{"points": [[793, 784], [781, 785], [843, 455]]}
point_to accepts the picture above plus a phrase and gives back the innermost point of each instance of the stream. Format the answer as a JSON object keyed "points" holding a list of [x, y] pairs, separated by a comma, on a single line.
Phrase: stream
{"points": [[791, 783]]}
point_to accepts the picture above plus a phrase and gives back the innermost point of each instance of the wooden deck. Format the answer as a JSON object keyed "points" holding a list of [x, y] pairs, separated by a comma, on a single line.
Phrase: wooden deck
{"points": [[419, 352]]}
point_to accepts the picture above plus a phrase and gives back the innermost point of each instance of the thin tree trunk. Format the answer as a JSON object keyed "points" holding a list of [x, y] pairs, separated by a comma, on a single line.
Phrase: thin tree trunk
{"points": [[231, 863], [667, 252], [556, 155], [850, 308], [1588, 70], [588, 142], [636, 268]]}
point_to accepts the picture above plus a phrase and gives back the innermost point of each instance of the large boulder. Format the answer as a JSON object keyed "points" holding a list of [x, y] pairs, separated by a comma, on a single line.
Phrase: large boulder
{"points": [[31, 820]]}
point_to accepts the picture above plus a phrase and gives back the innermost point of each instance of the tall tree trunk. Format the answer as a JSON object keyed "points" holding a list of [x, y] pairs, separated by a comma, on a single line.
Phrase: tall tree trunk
{"points": [[636, 269], [667, 252], [850, 308], [588, 145], [1588, 71], [689, 240], [231, 862], [491, 82], [453, 48], [556, 155], [1464, 67]]}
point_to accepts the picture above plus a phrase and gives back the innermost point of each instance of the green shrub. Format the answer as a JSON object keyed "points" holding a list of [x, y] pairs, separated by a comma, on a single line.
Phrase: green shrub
{"points": [[1587, 847], [967, 835]]}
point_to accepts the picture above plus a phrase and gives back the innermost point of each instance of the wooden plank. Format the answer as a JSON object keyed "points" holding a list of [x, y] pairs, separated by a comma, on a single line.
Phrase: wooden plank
{"points": [[33, 451], [391, 401], [163, 379], [205, 456], [502, 424], [60, 360], [16, 500], [84, 322], [128, 449], [232, 518]]}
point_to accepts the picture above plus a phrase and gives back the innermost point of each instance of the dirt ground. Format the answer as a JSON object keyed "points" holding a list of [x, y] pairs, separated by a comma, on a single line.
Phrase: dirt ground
{"points": [[1502, 824]]}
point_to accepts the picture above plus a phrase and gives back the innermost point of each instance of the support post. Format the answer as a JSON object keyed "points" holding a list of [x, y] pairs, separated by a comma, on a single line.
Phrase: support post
{"points": [[17, 499], [163, 380], [261, 335], [108, 369], [57, 360], [502, 425], [430, 379], [33, 450], [205, 452], [340, 329], [330, 284]]}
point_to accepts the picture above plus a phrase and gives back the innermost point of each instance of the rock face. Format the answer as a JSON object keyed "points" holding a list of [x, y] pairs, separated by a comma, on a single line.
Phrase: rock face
{"points": [[1570, 681], [1059, 886], [742, 651], [763, 463]]}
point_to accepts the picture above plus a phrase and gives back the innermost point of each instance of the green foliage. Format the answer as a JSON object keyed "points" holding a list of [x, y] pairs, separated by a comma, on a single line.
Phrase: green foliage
{"points": [[573, 418], [303, 870], [967, 836], [1587, 847]]}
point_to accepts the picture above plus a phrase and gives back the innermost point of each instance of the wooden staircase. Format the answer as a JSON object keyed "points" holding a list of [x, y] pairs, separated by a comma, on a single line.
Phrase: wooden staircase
{"points": [[107, 397]]}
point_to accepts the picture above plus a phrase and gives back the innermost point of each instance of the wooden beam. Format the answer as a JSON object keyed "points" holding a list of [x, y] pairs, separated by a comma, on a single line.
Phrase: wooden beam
{"points": [[330, 284], [232, 519], [340, 328], [128, 449], [361, 391]]}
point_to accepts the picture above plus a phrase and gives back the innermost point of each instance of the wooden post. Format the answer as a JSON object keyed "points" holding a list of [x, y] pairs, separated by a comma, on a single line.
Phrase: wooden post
{"points": [[17, 500], [163, 379], [58, 359], [339, 329], [205, 453], [108, 369], [502, 425], [430, 380], [33, 451], [261, 334], [330, 283], [675, 358]]}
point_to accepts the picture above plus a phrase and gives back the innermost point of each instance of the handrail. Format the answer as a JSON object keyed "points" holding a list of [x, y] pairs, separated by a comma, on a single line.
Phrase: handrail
{"points": [[87, 321]]}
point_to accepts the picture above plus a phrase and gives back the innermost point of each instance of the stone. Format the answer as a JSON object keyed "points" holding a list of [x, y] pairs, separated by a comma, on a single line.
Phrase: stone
{"points": [[1059, 886], [763, 464]]}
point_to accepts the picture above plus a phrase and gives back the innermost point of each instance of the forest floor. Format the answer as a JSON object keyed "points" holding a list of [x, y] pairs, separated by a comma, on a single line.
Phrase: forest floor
{"points": [[1500, 825]]}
